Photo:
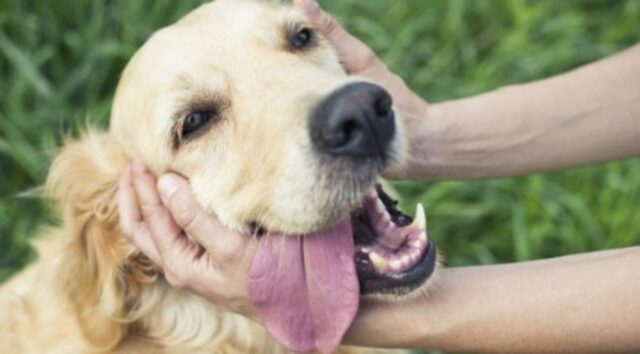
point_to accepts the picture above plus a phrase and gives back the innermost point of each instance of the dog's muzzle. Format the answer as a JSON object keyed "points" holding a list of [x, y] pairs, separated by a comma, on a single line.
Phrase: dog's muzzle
{"points": [[356, 121]]}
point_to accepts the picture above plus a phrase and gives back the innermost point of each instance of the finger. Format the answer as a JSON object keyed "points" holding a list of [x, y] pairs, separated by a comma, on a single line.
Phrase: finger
{"points": [[171, 243], [127, 204], [130, 218], [141, 238], [144, 183], [354, 54], [205, 229]]}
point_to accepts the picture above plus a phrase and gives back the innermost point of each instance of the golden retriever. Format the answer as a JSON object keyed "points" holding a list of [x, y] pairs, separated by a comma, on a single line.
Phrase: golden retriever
{"points": [[246, 100]]}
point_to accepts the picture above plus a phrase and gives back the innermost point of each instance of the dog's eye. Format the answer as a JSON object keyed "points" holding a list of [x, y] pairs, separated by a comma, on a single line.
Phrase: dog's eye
{"points": [[302, 38], [196, 121]]}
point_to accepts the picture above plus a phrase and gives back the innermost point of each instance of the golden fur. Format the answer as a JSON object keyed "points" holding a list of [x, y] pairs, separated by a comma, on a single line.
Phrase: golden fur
{"points": [[90, 290]]}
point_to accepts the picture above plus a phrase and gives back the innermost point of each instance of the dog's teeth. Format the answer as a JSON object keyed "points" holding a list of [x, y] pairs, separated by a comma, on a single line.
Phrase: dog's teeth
{"points": [[419, 242], [420, 221], [380, 207], [386, 219], [379, 263], [406, 261], [396, 265]]}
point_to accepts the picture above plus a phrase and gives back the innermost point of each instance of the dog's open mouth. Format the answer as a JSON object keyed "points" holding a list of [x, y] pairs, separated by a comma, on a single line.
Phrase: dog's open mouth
{"points": [[393, 254], [307, 288]]}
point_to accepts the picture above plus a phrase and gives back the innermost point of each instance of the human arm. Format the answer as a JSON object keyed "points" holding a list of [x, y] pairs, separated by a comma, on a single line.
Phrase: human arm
{"points": [[576, 304], [587, 116]]}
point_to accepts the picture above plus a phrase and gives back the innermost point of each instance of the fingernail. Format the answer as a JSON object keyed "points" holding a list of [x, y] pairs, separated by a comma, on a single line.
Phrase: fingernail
{"points": [[168, 185]]}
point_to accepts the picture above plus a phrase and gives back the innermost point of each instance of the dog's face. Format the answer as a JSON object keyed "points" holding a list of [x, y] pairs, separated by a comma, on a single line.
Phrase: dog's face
{"points": [[226, 98], [251, 104]]}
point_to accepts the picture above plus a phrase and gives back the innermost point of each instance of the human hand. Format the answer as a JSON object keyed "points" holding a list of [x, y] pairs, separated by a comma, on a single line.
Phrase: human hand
{"points": [[360, 60], [195, 252]]}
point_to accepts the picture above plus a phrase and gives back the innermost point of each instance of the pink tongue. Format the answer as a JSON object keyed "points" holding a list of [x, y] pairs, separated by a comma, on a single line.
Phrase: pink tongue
{"points": [[306, 288]]}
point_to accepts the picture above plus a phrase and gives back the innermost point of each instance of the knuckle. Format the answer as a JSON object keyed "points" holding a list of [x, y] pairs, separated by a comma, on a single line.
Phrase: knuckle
{"points": [[366, 60], [182, 208], [176, 280], [229, 253], [125, 228], [225, 258], [181, 212], [150, 210], [327, 23], [187, 218]]}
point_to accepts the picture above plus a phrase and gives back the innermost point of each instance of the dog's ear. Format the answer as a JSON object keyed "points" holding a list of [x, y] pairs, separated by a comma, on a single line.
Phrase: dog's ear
{"points": [[101, 270]]}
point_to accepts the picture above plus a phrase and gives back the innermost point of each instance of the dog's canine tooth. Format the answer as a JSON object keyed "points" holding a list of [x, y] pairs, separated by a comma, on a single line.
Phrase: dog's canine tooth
{"points": [[380, 207], [386, 219], [379, 263], [420, 220]]}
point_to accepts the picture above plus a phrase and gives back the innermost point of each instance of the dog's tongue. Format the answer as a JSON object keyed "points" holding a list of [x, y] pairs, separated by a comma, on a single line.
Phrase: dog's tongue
{"points": [[306, 288]]}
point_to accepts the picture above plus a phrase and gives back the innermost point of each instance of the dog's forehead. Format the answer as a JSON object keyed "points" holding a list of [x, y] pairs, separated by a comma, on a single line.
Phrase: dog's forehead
{"points": [[219, 35], [238, 19], [229, 11]]}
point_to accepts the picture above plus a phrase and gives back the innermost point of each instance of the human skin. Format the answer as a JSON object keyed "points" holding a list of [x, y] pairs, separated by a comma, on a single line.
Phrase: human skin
{"points": [[582, 303]]}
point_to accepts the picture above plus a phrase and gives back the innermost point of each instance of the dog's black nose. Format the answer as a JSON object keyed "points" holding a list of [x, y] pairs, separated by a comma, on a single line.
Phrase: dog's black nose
{"points": [[355, 121]]}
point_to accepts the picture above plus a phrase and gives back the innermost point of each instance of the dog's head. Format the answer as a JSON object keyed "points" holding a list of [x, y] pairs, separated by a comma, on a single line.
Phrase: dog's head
{"points": [[251, 104]]}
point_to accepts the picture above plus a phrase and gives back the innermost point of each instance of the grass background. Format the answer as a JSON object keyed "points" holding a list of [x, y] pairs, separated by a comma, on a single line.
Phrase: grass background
{"points": [[60, 61]]}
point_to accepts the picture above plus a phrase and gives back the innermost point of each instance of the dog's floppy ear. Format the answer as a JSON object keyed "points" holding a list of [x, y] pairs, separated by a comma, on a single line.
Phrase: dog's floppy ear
{"points": [[101, 270]]}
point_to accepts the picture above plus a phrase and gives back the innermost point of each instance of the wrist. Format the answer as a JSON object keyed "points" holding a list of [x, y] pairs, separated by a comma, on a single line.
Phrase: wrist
{"points": [[461, 139], [429, 140], [423, 321]]}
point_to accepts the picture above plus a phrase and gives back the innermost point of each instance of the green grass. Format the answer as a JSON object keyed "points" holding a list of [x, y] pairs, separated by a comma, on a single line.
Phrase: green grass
{"points": [[60, 61]]}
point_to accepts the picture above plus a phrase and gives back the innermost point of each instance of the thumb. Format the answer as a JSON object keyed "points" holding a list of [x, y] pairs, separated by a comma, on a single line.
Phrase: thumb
{"points": [[205, 229], [356, 57], [176, 195]]}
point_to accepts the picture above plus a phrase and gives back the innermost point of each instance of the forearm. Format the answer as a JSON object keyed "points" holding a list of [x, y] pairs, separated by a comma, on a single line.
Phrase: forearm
{"points": [[586, 116], [578, 304]]}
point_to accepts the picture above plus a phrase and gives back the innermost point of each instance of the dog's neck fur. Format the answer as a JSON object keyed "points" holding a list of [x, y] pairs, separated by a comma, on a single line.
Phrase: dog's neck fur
{"points": [[39, 301]]}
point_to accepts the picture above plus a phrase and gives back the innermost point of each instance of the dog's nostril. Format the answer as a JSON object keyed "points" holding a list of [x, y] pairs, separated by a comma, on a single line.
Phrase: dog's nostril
{"points": [[383, 106], [350, 129]]}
